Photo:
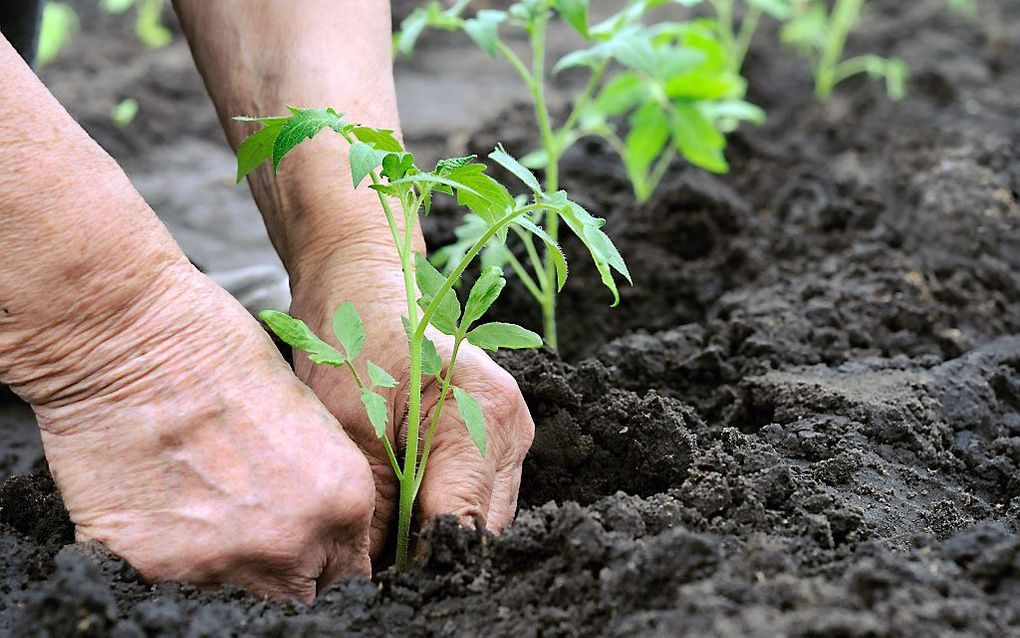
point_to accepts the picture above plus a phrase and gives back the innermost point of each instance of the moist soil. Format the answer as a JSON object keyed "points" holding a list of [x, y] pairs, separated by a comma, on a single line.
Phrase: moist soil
{"points": [[803, 419]]}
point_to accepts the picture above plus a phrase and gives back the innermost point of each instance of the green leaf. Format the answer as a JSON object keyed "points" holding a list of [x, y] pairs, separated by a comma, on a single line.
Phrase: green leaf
{"points": [[496, 335], [380, 377], [397, 165], [735, 110], [504, 159], [378, 411], [483, 195], [444, 166], [430, 281], [364, 159], [697, 139], [431, 364], [299, 336], [649, 132], [605, 255], [410, 29], [381, 138], [349, 329], [590, 57], [553, 250], [633, 48], [258, 147], [485, 291], [302, 125], [619, 95], [484, 29], [896, 75], [574, 13], [474, 419]]}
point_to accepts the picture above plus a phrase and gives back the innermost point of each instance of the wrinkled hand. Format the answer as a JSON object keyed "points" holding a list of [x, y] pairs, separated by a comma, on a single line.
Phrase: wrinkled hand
{"points": [[191, 450], [458, 480]]}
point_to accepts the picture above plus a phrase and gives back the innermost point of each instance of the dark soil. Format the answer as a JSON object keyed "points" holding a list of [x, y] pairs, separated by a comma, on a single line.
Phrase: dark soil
{"points": [[803, 420]]}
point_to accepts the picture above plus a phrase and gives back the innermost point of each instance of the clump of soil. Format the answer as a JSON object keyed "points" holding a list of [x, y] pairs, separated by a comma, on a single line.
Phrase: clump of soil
{"points": [[804, 420]]}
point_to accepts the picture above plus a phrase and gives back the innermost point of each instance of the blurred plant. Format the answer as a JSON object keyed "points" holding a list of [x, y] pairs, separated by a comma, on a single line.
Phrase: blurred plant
{"points": [[124, 112], [60, 21], [672, 83], [376, 155], [820, 34], [148, 20]]}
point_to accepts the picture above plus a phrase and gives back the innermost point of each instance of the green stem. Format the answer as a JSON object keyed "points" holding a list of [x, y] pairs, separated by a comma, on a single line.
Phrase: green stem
{"points": [[522, 274], [447, 379], [385, 439], [748, 27], [853, 66], [582, 102], [536, 261], [844, 16]]}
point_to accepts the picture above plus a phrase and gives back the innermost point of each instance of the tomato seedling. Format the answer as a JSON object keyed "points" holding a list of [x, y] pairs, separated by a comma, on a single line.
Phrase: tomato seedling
{"points": [[672, 82], [404, 192], [820, 34]]}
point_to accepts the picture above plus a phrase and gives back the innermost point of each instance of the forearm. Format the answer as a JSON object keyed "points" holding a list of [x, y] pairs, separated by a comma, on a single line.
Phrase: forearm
{"points": [[77, 242], [256, 57]]}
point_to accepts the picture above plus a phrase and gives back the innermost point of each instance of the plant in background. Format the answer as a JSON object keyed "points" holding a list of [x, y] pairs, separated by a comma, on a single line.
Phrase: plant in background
{"points": [[60, 21], [820, 34], [376, 155], [672, 83]]}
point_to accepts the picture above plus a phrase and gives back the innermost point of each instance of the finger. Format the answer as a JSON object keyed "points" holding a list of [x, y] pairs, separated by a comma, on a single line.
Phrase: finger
{"points": [[503, 504], [458, 482], [346, 559]]}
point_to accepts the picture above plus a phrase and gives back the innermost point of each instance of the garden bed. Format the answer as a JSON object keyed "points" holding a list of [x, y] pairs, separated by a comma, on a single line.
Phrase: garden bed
{"points": [[803, 419]]}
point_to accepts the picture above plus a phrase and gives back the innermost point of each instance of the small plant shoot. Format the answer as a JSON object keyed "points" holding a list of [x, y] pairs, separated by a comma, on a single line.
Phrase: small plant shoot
{"points": [[820, 34], [673, 85], [378, 159]]}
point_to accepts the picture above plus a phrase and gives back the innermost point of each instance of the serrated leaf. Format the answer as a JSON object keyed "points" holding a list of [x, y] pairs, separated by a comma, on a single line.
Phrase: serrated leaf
{"points": [[504, 159], [364, 159], [430, 281], [483, 195], [381, 138], [574, 13], [431, 364], [299, 336], [553, 250], [444, 166], [605, 255], [485, 291], [303, 124], [496, 335], [484, 29], [258, 147], [473, 417], [349, 329], [380, 377], [378, 411], [397, 165]]}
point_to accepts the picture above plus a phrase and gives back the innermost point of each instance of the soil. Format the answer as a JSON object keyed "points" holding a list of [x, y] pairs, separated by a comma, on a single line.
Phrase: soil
{"points": [[804, 419]]}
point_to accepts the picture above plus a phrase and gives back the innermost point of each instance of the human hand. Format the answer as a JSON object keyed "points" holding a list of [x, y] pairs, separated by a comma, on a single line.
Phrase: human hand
{"points": [[459, 481]]}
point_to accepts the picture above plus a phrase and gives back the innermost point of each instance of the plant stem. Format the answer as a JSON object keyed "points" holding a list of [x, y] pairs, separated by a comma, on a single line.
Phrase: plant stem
{"points": [[446, 385], [748, 27], [385, 439], [844, 16], [550, 143]]}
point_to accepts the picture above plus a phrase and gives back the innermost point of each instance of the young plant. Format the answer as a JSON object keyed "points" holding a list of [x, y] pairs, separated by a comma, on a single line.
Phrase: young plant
{"points": [[820, 34], [405, 191], [672, 82]]}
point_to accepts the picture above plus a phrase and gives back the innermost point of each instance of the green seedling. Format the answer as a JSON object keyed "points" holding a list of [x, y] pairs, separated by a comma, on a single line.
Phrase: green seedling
{"points": [[820, 34], [736, 32], [671, 83], [404, 192]]}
